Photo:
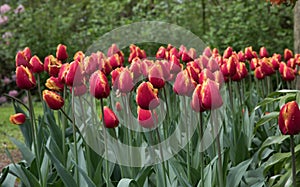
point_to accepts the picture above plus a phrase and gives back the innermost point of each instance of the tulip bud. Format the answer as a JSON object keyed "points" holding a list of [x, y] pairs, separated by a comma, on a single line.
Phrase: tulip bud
{"points": [[205, 75], [207, 52], [146, 66], [99, 86], [27, 52], [115, 61], [36, 64], [24, 78], [61, 52], [173, 52], [17, 119], [53, 99], [91, 64], [288, 119], [241, 72], [215, 52], [146, 119], [156, 76], [241, 56], [288, 54], [275, 63], [263, 53], [183, 84], [228, 52], [79, 56], [229, 68], [266, 66], [53, 83], [212, 65], [175, 66], [110, 119], [254, 63], [135, 68], [115, 74], [146, 96], [287, 73], [291, 63], [113, 50]]}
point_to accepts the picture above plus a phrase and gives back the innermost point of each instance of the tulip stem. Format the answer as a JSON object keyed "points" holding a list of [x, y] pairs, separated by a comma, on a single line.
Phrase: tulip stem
{"points": [[105, 142], [201, 149], [16, 99], [34, 135], [74, 137], [293, 159]]}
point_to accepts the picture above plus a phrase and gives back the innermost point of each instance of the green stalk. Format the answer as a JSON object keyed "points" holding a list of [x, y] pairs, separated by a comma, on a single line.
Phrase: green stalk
{"points": [[188, 159], [220, 165], [34, 135], [201, 151], [106, 148], [74, 137], [293, 159], [64, 121]]}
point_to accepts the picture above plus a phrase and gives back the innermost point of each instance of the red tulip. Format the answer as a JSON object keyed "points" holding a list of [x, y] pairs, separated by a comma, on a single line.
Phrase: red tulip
{"points": [[63, 72], [53, 83], [114, 50], [24, 78], [17, 119], [52, 65], [229, 67], [110, 119], [288, 54], [206, 96], [22, 59], [156, 76], [289, 118], [146, 96], [146, 119], [115, 61], [27, 52], [263, 53], [135, 68], [115, 74], [53, 99], [254, 63], [99, 86], [74, 75], [228, 52], [241, 56], [204, 75], [61, 52], [125, 81], [287, 73], [161, 53], [207, 52], [258, 73], [173, 52], [36, 64], [249, 53], [183, 84], [79, 56], [241, 72], [291, 63], [267, 66], [136, 52]]}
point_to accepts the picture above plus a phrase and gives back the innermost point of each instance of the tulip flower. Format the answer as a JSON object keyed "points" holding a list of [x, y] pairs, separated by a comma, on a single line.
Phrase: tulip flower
{"points": [[228, 52], [22, 59], [267, 66], [263, 53], [36, 64], [114, 50], [287, 54], [52, 65], [258, 73], [110, 118], [289, 118], [287, 73], [79, 56], [79, 90], [156, 76], [175, 66], [146, 66], [53, 83], [63, 72], [207, 52], [254, 63], [136, 52], [118, 106], [204, 75], [74, 75], [91, 64], [188, 56], [17, 119], [135, 68], [125, 81], [24, 78], [115, 61], [241, 72], [206, 96], [146, 119], [53, 99], [146, 96], [99, 86], [241, 56], [161, 53], [61, 52], [184, 85], [249, 53], [291, 63], [229, 67], [115, 74]]}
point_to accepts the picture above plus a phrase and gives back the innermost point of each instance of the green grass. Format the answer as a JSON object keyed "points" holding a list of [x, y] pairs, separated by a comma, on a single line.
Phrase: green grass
{"points": [[7, 129]]}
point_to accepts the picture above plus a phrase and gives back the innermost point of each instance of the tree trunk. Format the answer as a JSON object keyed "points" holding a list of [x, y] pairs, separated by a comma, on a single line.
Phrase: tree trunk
{"points": [[297, 35]]}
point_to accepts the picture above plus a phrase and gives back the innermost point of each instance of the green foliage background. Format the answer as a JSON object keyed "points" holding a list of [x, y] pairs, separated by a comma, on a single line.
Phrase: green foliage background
{"points": [[78, 23]]}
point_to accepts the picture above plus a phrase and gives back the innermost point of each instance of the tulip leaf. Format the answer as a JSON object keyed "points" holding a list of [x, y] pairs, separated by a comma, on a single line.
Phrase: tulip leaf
{"points": [[143, 175], [62, 172], [266, 118], [236, 173], [274, 159], [270, 141], [24, 174], [87, 179], [125, 182], [28, 156], [3, 175]]}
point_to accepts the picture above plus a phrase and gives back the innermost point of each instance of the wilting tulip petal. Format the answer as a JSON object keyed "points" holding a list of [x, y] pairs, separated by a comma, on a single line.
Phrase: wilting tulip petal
{"points": [[53, 99]]}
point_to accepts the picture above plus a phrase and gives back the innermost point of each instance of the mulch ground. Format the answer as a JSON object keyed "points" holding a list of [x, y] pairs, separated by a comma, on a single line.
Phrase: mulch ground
{"points": [[4, 160]]}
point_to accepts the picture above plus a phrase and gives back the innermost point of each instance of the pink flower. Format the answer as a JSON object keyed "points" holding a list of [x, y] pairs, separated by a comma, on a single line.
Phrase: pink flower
{"points": [[4, 8], [13, 93], [19, 9], [3, 20]]}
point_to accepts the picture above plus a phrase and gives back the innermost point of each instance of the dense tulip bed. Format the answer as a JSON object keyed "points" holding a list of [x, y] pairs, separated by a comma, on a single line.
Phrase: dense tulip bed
{"points": [[243, 101]]}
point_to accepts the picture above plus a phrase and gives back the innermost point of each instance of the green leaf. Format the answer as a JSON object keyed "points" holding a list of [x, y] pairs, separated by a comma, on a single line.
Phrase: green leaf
{"points": [[274, 159], [266, 118], [28, 156], [24, 174], [143, 175], [65, 175], [125, 182], [3, 175], [87, 179], [236, 173], [270, 141]]}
